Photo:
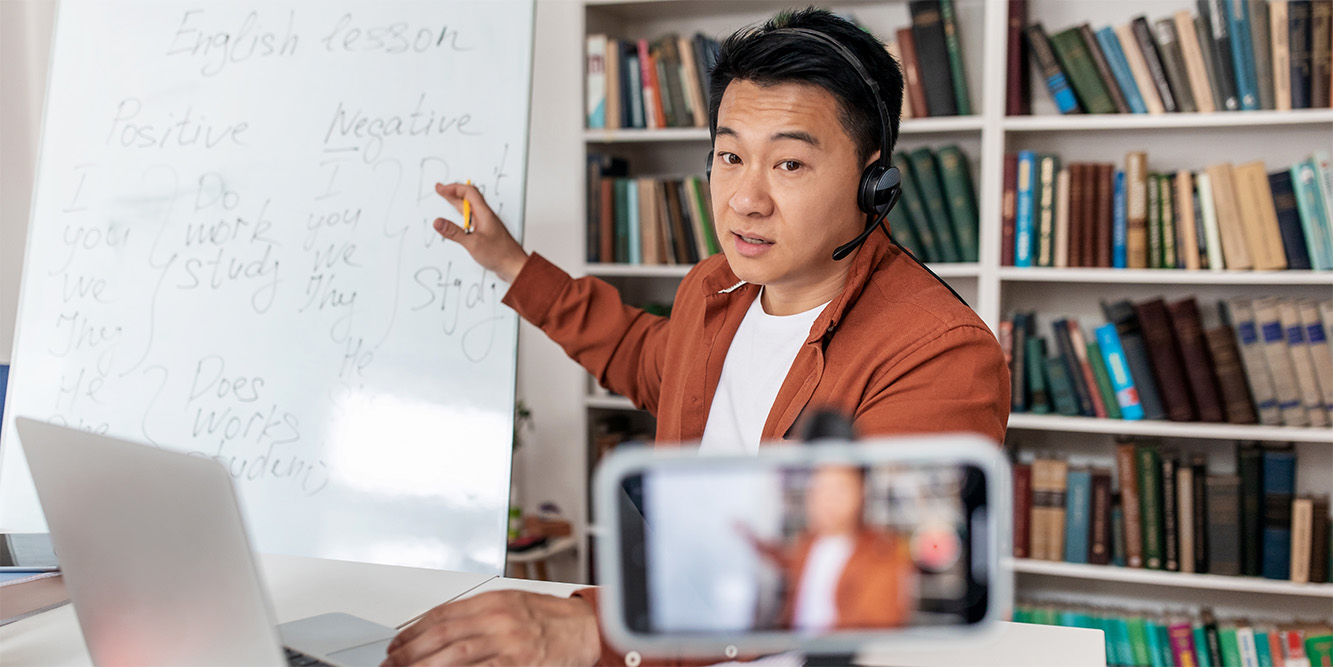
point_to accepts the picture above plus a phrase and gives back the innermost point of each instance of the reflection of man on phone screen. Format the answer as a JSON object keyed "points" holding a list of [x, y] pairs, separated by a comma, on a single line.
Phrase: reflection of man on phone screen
{"points": [[841, 573]]}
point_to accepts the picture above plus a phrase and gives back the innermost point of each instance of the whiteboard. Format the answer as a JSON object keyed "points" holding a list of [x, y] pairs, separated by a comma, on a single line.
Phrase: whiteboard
{"points": [[230, 253]]}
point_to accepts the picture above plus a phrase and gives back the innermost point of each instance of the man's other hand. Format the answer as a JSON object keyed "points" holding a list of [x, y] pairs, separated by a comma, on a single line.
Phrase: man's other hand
{"points": [[501, 628]]}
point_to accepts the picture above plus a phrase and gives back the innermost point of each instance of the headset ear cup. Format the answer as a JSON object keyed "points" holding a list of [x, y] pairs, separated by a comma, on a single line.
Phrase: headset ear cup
{"points": [[708, 167], [869, 192]]}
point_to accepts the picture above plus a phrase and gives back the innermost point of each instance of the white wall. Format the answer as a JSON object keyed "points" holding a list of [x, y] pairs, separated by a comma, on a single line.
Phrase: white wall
{"points": [[549, 467]]}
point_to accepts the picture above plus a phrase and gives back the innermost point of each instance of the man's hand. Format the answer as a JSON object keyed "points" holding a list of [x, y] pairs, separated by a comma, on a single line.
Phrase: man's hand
{"points": [[489, 243], [501, 628]]}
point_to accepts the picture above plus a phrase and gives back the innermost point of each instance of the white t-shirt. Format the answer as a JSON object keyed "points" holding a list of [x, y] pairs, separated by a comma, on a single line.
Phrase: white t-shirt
{"points": [[816, 610], [757, 362]]}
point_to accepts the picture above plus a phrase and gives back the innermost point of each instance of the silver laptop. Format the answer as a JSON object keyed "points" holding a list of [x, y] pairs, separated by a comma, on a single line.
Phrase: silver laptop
{"points": [[158, 565]]}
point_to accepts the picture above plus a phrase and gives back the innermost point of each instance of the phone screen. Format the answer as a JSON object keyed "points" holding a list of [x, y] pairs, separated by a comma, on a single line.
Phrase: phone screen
{"points": [[27, 551], [813, 549]]}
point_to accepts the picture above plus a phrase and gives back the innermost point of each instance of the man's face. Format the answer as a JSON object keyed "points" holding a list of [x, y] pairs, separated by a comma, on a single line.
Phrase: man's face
{"points": [[834, 500], [784, 183]]}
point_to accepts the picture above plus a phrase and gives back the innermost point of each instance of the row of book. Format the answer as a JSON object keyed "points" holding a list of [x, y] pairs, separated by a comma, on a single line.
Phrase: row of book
{"points": [[646, 220], [1233, 55], [937, 216], [1085, 214], [1269, 361], [1161, 510], [1190, 638], [930, 53], [648, 83]]}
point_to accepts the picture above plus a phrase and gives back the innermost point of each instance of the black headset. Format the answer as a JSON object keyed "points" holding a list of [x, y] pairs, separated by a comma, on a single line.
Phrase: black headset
{"points": [[881, 182]]}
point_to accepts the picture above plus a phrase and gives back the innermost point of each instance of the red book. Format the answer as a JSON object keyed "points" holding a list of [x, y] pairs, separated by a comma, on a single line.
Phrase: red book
{"points": [[653, 114], [1076, 197], [912, 73], [1087, 218], [1100, 253], [1018, 92], [1022, 510], [1009, 209]]}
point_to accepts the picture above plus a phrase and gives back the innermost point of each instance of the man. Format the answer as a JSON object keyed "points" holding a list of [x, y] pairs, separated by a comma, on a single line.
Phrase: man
{"points": [[758, 335]]}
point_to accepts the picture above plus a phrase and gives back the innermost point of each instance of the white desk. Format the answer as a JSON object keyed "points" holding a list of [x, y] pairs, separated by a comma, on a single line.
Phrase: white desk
{"points": [[390, 595]]}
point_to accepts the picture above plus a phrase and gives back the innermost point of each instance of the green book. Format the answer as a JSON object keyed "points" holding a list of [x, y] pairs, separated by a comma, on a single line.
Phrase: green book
{"points": [[1072, 52], [1319, 649], [1117, 633], [952, 44], [1150, 505], [1154, 221], [1261, 647], [1021, 614], [1040, 403], [1201, 646], [905, 232], [1103, 380], [622, 186], [1062, 390], [962, 200], [927, 178], [1138, 641], [1167, 199], [944, 249], [1164, 656], [696, 188], [1231, 646]]}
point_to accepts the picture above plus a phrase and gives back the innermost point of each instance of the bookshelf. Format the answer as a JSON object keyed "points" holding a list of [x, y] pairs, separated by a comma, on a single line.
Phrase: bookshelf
{"points": [[1173, 141]]}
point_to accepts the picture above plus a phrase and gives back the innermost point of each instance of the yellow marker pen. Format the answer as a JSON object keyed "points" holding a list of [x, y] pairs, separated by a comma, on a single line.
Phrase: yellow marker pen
{"points": [[467, 213]]}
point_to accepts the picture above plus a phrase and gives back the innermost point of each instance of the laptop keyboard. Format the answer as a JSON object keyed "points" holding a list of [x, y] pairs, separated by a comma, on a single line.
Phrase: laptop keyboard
{"points": [[299, 659]]}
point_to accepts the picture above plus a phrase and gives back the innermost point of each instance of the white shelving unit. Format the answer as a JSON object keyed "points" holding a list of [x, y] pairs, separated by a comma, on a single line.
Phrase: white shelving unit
{"points": [[1173, 141]]}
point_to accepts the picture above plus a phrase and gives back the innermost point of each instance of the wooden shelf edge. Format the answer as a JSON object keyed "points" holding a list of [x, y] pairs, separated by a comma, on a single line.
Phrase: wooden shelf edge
{"points": [[1032, 422], [1172, 579]]}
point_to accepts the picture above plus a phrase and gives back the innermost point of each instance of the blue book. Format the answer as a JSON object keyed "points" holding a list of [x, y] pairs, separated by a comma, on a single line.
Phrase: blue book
{"points": [[1314, 214], [1024, 223], [1120, 223], [1279, 475], [1242, 54], [1152, 632], [1261, 648], [635, 233], [1115, 57], [636, 113], [1289, 220], [1201, 646], [1078, 505], [1164, 653], [1122, 381]]}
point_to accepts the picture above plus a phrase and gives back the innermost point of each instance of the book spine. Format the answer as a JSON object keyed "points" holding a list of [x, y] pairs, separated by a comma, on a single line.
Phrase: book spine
{"points": [[1127, 472], [1260, 216], [1170, 515], [1163, 350], [933, 57], [1314, 214], [1124, 78], [1018, 379], [1122, 381], [1215, 14], [1040, 402], [1184, 487], [1298, 37], [1018, 83], [1138, 67], [1170, 246], [1048, 508], [1009, 209], [1103, 67], [1173, 62], [1078, 66], [634, 240], [1224, 524], [1321, 53], [1263, 52], [1279, 360], [1279, 37], [1118, 557], [1080, 348], [1060, 251], [1186, 322], [1119, 223], [1319, 539], [1056, 82], [1104, 210], [1302, 523], [1184, 196], [1069, 217], [634, 86], [1321, 354], [1182, 644], [953, 45], [1230, 224], [1061, 386], [1242, 54], [1208, 212], [1289, 220], [1048, 167], [595, 80], [1022, 510], [1249, 467], [1211, 62], [916, 90], [1099, 548], [1279, 475], [1302, 362], [1103, 376], [1078, 507], [1230, 375], [1192, 54], [1258, 378], [962, 203], [927, 178], [1136, 212], [1136, 354], [1065, 345], [1150, 504], [1152, 58], [1024, 221]]}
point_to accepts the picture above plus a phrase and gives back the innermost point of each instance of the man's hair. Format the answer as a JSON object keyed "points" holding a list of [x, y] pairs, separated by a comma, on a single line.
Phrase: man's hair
{"points": [[766, 56]]}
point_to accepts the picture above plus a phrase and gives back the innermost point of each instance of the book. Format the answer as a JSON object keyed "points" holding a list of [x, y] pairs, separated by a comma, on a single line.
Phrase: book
{"points": [[1211, 61], [649, 90], [1021, 328], [1235, 251], [1022, 509], [1321, 53], [1118, 557], [1214, 15], [926, 198], [1009, 208], [1224, 543], [1278, 357], [1184, 196], [1170, 514], [1250, 470], [1279, 33], [1314, 213], [1289, 220], [1263, 52], [1208, 215], [1103, 68], [1149, 467], [1167, 228], [1122, 314], [1191, 52], [1138, 67], [1136, 210], [1072, 54], [915, 91], [1017, 97], [1182, 643], [933, 57], [1024, 222], [1198, 367], [1073, 223], [1048, 508], [1279, 488], [1122, 381], [1321, 351], [1302, 362], [1040, 400], [1061, 386], [1242, 54], [1060, 241], [962, 205], [1126, 464], [1078, 510], [1199, 501], [595, 81], [1152, 58], [1100, 538], [1319, 540], [1057, 83], [1173, 63], [1229, 372], [1124, 77], [1240, 314], [1119, 223], [1098, 249], [1104, 389], [1301, 51], [1163, 351], [1078, 380], [632, 85], [1259, 216], [1302, 525], [952, 44], [1080, 348]]}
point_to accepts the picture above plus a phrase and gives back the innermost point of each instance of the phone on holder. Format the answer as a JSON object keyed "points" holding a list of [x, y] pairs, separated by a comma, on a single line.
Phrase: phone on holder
{"points": [[823, 548]]}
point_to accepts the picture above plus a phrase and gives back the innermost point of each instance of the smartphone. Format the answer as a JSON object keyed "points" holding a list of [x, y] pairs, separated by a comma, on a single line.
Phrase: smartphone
{"points": [[27, 552], [823, 548]]}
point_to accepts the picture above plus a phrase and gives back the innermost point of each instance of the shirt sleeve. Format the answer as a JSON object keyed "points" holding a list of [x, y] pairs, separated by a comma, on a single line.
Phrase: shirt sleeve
{"points": [[620, 345], [955, 382]]}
